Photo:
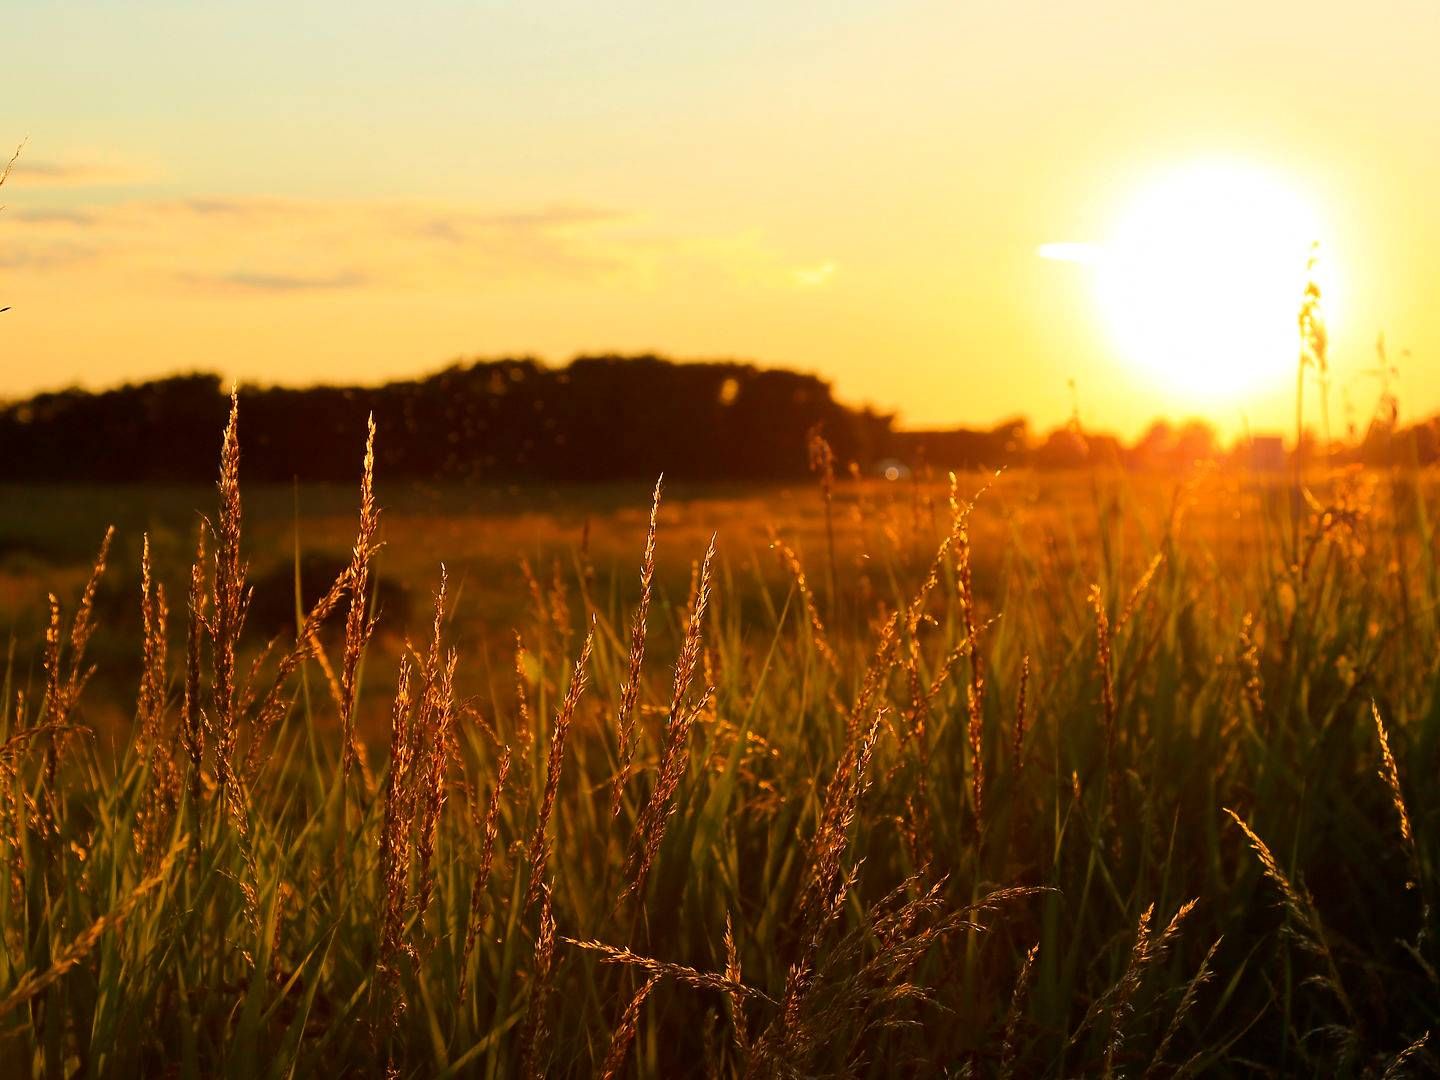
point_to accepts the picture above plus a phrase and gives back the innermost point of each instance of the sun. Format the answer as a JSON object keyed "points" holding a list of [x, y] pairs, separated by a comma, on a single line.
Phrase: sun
{"points": [[1201, 278]]}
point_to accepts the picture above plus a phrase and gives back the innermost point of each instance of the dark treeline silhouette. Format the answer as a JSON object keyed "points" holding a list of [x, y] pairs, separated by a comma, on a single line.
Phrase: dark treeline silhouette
{"points": [[598, 419]]}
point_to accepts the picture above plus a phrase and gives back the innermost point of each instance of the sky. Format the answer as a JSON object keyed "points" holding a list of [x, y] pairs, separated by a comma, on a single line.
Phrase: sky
{"points": [[355, 192]]}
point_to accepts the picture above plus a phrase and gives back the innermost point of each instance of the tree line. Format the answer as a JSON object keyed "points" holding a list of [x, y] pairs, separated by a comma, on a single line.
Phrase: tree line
{"points": [[602, 418], [597, 419]]}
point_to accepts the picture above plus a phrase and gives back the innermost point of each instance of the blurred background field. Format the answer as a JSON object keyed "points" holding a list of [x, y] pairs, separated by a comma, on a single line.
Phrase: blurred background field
{"points": [[1071, 677], [591, 537]]}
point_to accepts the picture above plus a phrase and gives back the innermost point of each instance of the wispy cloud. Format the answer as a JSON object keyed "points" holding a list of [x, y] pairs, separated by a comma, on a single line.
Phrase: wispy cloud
{"points": [[44, 255], [46, 215], [464, 225], [32, 172], [552, 217], [313, 244], [560, 239], [279, 282], [273, 246], [249, 208]]}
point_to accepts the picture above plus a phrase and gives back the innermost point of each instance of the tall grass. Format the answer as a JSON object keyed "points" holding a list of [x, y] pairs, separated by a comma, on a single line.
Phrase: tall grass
{"points": [[1151, 814]]}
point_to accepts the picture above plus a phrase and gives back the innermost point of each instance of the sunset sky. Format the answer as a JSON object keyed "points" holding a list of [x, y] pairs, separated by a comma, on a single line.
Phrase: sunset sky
{"points": [[362, 191]]}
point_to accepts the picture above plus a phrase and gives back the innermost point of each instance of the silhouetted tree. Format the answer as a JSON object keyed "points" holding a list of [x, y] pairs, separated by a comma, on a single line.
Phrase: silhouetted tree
{"points": [[602, 418]]}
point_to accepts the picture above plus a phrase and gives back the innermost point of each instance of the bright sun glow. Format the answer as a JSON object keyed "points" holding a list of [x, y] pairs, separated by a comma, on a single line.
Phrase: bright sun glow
{"points": [[1201, 280]]}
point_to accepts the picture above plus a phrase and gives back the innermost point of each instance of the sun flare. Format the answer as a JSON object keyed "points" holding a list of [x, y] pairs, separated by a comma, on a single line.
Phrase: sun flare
{"points": [[1201, 278]]}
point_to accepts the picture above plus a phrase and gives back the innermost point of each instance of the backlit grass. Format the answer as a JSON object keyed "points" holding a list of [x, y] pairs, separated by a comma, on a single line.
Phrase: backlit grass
{"points": [[1131, 793]]}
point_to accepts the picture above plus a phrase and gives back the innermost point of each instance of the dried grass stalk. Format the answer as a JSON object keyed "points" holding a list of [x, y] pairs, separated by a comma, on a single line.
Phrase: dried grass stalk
{"points": [[1021, 701], [359, 625], [702, 980], [192, 717], [540, 842], [395, 844], [674, 755], [1390, 773], [536, 1031], [1301, 909], [491, 830], [1013, 1017], [1102, 666], [630, 691], [36, 982], [624, 1033], [230, 600]]}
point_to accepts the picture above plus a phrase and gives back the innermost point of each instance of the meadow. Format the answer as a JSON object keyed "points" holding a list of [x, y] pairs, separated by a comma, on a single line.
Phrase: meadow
{"points": [[1016, 775]]}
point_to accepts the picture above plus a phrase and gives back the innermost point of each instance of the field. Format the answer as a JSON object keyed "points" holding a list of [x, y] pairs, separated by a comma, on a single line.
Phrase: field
{"points": [[1036, 774]]}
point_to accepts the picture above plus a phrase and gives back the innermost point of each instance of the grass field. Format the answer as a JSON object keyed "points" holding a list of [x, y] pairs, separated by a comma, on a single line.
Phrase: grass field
{"points": [[1033, 775]]}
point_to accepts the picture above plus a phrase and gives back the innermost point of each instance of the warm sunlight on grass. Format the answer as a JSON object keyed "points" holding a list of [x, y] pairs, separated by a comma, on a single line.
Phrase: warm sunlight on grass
{"points": [[1198, 281], [540, 541]]}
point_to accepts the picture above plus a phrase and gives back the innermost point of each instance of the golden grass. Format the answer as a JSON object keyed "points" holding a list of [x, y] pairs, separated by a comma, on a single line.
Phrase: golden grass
{"points": [[767, 828]]}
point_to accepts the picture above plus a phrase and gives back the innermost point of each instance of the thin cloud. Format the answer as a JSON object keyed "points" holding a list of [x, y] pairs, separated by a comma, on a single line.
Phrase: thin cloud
{"points": [[562, 240], [234, 208], [44, 256], [254, 245], [274, 282], [40, 173], [552, 217], [464, 227], [447, 229], [42, 215]]}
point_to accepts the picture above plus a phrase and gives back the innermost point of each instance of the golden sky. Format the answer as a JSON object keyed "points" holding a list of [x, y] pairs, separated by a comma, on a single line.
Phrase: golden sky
{"points": [[361, 191]]}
